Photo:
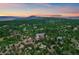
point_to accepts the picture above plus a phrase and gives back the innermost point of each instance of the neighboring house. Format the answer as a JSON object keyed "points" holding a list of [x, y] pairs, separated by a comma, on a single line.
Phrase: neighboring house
{"points": [[75, 28], [40, 36]]}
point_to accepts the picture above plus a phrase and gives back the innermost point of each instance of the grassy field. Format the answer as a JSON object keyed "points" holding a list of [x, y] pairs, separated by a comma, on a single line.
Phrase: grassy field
{"points": [[46, 36]]}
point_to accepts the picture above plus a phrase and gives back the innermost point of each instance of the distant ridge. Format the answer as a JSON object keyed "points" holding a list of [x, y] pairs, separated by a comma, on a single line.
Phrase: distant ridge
{"points": [[33, 17], [76, 17], [7, 18]]}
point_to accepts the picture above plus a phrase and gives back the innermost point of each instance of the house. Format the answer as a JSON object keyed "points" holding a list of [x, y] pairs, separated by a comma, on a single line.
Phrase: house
{"points": [[75, 28], [40, 36]]}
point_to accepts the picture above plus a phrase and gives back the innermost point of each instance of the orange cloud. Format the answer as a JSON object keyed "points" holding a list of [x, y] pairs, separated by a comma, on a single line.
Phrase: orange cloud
{"points": [[14, 14], [71, 14]]}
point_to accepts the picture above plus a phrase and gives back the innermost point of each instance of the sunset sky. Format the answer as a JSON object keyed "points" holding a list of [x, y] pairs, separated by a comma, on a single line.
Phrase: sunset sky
{"points": [[39, 9]]}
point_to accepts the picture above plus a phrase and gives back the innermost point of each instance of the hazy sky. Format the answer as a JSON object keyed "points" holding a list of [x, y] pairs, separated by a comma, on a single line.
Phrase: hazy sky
{"points": [[39, 9]]}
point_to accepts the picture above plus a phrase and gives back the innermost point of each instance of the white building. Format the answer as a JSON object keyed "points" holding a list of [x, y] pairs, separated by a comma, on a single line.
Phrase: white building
{"points": [[40, 36]]}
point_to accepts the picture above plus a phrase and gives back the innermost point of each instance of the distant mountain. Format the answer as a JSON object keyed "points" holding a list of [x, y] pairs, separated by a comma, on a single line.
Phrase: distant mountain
{"points": [[76, 17], [6, 18], [38, 17], [33, 17]]}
